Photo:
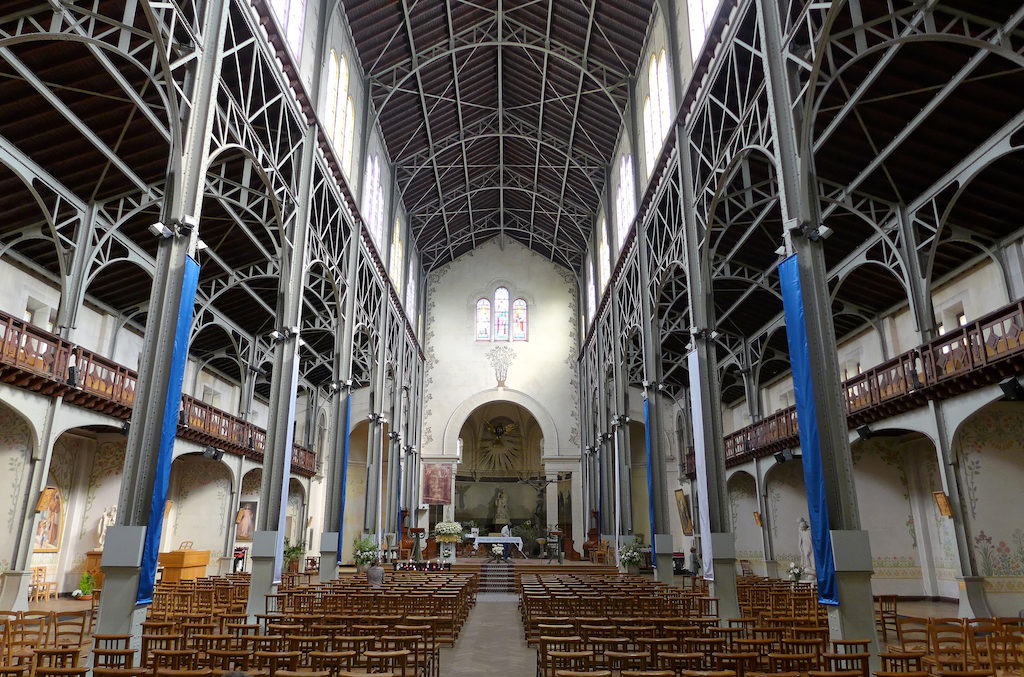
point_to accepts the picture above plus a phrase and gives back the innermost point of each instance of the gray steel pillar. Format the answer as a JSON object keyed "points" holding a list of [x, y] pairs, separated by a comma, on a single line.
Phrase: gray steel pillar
{"points": [[854, 617], [332, 536], [620, 425], [268, 540], [706, 385], [122, 557], [375, 434]]}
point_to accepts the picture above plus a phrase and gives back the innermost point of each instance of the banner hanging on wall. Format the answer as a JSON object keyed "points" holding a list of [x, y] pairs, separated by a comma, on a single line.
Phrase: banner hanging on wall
{"points": [[700, 451], [807, 416], [437, 483]]}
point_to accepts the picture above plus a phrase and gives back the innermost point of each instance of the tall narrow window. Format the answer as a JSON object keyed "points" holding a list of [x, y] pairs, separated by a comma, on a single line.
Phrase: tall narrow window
{"points": [[591, 292], [338, 129], [519, 321], [483, 320], [657, 108], [373, 203], [604, 258], [625, 200], [699, 13], [395, 269], [501, 325], [346, 147], [290, 14], [331, 103], [410, 286]]}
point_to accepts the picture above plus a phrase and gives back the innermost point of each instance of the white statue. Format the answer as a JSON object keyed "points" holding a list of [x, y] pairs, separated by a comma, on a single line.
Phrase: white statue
{"points": [[501, 508], [107, 519], [804, 545]]}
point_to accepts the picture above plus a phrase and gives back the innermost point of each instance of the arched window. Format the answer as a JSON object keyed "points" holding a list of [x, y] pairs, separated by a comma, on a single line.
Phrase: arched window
{"points": [[591, 292], [519, 320], [625, 200], [604, 258], [657, 108], [501, 325], [331, 102], [373, 203], [338, 126], [395, 269], [290, 15], [483, 320]]}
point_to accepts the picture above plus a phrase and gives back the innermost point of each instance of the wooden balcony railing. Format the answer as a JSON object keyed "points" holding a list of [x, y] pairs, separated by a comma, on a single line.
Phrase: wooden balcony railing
{"points": [[977, 354], [35, 359]]}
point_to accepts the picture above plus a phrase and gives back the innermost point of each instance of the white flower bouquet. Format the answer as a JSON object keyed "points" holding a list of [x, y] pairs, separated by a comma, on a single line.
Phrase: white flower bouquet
{"points": [[448, 532], [629, 555], [498, 550], [795, 571]]}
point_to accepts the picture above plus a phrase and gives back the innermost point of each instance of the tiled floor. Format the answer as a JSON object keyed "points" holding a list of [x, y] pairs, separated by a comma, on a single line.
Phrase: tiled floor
{"points": [[491, 642]]}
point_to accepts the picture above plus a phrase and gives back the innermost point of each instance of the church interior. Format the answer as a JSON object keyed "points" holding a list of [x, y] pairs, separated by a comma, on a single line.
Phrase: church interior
{"points": [[628, 338]]}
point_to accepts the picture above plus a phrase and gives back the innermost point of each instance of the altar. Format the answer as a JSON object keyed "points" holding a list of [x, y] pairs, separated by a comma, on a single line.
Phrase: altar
{"points": [[514, 540]]}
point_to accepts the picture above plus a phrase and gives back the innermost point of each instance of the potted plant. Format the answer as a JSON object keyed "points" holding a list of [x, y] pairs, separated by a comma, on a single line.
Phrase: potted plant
{"points": [[292, 555], [629, 558], [365, 552], [85, 586]]}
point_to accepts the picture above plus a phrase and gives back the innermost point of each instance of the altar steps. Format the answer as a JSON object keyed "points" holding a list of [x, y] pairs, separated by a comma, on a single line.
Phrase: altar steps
{"points": [[497, 577]]}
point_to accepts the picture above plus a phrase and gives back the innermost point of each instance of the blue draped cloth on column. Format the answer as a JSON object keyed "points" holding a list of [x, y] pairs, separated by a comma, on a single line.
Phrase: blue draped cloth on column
{"points": [[344, 472], [810, 441], [650, 481], [168, 432]]}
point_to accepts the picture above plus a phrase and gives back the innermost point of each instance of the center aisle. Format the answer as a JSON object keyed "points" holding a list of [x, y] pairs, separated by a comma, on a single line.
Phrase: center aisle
{"points": [[491, 642]]}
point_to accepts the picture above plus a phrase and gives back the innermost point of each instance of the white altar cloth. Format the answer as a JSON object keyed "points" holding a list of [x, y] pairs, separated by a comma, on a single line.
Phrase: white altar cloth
{"points": [[514, 540]]}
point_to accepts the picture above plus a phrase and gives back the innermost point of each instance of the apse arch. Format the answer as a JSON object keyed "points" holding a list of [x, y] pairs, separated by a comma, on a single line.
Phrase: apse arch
{"points": [[453, 427]]}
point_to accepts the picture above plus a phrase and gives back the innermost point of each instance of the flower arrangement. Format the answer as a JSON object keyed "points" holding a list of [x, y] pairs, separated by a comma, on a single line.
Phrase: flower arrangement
{"points": [[795, 571], [365, 550], [448, 532], [498, 550], [629, 555]]}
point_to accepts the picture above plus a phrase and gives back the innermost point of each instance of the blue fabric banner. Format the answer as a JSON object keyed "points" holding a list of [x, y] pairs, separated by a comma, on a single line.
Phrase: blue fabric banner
{"points": [[168, 432], [344, 471], [807, 416], [650, 483]]}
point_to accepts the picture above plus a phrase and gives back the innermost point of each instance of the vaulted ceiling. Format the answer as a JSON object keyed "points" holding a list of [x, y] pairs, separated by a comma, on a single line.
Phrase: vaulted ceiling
{"points": [[500, 117]]}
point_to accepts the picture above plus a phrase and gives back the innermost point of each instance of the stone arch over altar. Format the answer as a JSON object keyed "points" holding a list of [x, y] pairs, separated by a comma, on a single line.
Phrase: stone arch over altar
{"points": [[462, 412]]}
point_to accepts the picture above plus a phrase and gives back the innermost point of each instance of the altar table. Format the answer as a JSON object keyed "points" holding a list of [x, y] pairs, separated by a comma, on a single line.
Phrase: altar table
{"points": [[514, 540]]}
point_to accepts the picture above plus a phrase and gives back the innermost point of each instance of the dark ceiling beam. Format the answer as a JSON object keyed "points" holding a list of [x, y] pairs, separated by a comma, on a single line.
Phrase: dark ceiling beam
{"points": [[576, 111], [456, 80], [423, 101]]}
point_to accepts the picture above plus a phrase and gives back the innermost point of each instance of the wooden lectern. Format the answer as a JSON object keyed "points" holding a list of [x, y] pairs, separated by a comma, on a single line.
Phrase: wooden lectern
{"points": [[184, 565]]}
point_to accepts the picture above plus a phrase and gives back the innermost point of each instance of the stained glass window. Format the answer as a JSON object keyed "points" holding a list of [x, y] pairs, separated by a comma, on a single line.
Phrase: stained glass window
{"points": [[501, 325], [350, 133], [373, 204], [519, 322], [410, 286], [483, 320]]}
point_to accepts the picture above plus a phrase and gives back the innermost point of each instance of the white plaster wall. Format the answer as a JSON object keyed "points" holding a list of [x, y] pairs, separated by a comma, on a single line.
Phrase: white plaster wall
{"points": [[787, 502], [15, 448], [202, 510], [544, 367], [742, 504]]}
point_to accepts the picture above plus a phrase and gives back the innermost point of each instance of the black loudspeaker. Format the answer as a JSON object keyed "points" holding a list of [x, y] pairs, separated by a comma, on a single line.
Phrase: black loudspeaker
{"points": [[1012, 389], [214, 453]]}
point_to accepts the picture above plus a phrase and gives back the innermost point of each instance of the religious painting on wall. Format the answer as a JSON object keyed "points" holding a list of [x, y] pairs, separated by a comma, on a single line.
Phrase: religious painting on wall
{"points": [[51, 514], [245, 521], [683, 503], [437, 483]]}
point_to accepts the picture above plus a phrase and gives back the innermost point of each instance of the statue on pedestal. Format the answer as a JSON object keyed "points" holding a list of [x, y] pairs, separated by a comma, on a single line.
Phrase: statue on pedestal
{"points": [[805, 547], [501, 508], [107, 519]]}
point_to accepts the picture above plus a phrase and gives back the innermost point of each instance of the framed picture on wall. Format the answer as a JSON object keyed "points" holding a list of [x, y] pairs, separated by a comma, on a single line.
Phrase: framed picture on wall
{"points": [[683, 503], [51, 521], [245, 520], [437, 483]]}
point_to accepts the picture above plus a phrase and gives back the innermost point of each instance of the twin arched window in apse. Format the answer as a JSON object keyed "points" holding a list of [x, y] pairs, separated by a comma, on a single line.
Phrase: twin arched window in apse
{"points": [[502, 320], [657, 108]]}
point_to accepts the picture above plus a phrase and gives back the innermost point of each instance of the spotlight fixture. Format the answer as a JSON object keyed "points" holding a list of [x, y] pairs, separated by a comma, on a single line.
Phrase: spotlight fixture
{"points": [[865, 432], [160, 230], [1012, 389], [784, 455]]}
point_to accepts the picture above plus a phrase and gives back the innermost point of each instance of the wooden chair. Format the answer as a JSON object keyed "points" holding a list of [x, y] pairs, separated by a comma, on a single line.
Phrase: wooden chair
{"points": [[886, 614], [69, 627]]}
